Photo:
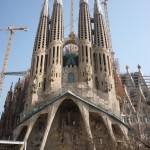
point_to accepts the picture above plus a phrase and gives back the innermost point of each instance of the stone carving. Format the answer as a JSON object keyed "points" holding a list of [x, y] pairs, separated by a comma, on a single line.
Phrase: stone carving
{"points": [[34, 85], [99, 129], [121, 145], [52, 75], [40, 128], [88, 72], [107, 86], [69, 136], [36, 142], [67, 70], [16, 94], [37, 139]]}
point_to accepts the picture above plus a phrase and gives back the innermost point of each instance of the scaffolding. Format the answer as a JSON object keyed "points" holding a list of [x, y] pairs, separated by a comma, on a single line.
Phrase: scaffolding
{"points": [[143, 81], [21, 73], [138, 86]]}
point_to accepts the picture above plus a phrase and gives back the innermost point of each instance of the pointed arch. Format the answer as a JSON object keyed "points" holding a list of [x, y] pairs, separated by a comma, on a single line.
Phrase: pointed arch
{"points": [[100, 132], [37, 132], [67, 128], [22, 134]]}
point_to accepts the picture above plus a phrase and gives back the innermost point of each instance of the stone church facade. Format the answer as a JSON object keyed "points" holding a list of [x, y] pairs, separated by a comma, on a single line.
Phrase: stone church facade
{"points": [[68, 100]]}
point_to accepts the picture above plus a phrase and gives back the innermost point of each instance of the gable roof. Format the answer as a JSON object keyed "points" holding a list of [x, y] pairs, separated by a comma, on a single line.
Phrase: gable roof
{"points": [[45, 104]]}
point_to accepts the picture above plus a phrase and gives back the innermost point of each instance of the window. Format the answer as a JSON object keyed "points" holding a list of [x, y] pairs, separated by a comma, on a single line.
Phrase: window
{"points": [[46, 59], [104, 62], [71, 78], [96, 83], [109, 65], [37, 64], [41, 64], [44, 84]]}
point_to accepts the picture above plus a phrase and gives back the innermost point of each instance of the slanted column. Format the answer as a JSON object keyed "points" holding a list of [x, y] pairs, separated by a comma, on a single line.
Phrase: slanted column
{"points": [[51, 116], [30, 127], [85, 115], [109, 128], [124, 132]]}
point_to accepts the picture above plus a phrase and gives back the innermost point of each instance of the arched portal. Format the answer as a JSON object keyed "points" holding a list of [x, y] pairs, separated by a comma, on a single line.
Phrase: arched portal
{"points": [[68, 130], [37, 133], [100, 133], [120, 138], [22, 134]]}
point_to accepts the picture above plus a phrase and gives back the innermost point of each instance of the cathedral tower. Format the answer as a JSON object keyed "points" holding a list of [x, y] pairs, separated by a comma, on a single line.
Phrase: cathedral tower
{"points": [[54, 64], [101, 56], [85, 44], [39, 55], [69, 100], [5, 117]]}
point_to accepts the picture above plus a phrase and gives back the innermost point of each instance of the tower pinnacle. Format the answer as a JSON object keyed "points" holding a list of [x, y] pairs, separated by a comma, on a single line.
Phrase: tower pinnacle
{"points": [[45, 8], [58, 2], [97, 7], [83, 1], [43, 28]]}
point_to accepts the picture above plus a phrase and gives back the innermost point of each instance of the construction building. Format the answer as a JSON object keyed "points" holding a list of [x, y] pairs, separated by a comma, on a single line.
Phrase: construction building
{"points": [[76, 99]]}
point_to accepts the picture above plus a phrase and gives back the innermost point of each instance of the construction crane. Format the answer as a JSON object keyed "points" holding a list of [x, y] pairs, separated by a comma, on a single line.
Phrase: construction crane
{"points": [[108, 31], [21, 73], [7, 53], [72, 17], [117, 78], [108, 26], [72, 35]]}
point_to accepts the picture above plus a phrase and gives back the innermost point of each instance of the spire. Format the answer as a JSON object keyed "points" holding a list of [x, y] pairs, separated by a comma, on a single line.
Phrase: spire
{"points": [[56, 38], [100, 38], [56, 28], [139, 67], [84, 28], [11, 87], [41, 42], [97, 7], [127, 68], [83, 1], [58, 2], [9, 95], [45, 8]]}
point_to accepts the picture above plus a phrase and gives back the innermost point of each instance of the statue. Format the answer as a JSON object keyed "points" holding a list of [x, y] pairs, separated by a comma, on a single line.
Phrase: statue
{"points": [[52, 75], [36, 142], [107, 87], [34, 85], [88, 72]]}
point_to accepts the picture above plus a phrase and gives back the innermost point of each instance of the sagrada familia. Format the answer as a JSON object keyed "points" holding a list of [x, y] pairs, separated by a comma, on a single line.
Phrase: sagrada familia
{"points": [[75, 99]]}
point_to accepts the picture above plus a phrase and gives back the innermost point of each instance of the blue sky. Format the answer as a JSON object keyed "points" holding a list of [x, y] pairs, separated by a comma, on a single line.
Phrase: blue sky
{"points": [[130, 29]]}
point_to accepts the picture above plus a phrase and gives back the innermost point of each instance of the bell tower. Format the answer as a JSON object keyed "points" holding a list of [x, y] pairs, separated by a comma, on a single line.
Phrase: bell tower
{"points": [[53, 80], [39, 56], [85, 44], [102, 58]]}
